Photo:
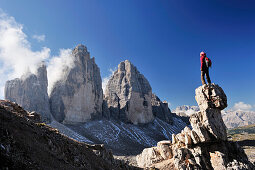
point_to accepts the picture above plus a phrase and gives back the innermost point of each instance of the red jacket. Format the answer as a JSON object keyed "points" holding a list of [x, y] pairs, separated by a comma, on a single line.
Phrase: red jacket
{"points": [[203, 64]]}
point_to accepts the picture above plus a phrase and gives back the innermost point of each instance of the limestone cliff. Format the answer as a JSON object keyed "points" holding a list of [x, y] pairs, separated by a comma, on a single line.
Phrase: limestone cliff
{"points": [[78, 95], [128, 95], [30, 91], [160, 109]]}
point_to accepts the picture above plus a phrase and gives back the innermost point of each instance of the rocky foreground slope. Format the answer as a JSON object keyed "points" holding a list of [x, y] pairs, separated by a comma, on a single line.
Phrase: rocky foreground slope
{"points": [[26, 143], [203, 147]]}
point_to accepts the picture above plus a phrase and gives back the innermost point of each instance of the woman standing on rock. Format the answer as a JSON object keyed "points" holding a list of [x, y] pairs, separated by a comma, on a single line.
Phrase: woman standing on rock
{"points": [[205, 64]]}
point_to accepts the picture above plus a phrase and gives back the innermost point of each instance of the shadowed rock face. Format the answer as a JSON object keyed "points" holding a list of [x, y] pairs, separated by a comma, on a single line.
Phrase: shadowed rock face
{"points": [[78, 95], [205, 146], [30, 91], [160, 109], [128, 95]]}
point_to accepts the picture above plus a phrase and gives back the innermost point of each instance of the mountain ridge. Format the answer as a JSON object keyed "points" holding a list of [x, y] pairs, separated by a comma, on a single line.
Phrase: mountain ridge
{"points": [[232, 118]]}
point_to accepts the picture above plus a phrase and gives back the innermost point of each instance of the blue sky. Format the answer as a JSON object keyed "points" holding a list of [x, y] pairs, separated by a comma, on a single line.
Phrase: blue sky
{"points": [[162, 38]]}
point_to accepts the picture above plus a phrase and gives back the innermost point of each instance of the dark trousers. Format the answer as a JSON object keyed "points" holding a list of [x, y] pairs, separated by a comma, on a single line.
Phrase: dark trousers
{"points": [[203, 74]]}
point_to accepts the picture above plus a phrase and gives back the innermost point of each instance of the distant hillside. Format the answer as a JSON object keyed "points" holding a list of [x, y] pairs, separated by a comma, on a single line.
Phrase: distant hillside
{"points": [[248, 129], [245, 136], [186, 110], [238, 118], [231, 118]]}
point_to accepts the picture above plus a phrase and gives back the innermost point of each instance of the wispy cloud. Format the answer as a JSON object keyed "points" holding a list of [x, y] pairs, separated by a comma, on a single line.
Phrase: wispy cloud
{"points": [[16, 55], [57, 65], [39, 38], [106, 79], [242, 106]]}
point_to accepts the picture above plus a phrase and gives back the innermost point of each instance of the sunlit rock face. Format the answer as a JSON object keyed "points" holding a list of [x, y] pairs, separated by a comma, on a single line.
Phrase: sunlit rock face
{"points": [[128, 95], [30, 91], [78, 96], [211, 100]]}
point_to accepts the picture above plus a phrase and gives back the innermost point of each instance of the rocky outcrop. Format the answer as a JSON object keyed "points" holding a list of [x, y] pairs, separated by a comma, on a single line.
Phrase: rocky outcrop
{"points": [[128, 95], [78, 96], [160, 109], [205, 146], [30, 91], [211, 100], [211, 97]]}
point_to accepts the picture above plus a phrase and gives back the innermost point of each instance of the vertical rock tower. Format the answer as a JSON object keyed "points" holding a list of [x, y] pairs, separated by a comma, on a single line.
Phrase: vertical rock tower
{"points": [[78, 95], [161, 110], [205, 146], [128, 95], [30, 91]]}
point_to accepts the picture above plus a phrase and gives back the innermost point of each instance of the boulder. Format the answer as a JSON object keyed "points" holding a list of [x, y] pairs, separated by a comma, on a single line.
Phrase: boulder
{"points": [[78, 96], [128, 95], [164, 148], [148, 157], [211, 96], [30, 92]]}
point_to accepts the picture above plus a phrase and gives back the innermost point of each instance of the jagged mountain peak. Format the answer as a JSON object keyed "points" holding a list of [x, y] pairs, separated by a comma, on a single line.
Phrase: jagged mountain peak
{"points": [[80, 48], [81, 54], [128, 94], [30, 91], [78, 96]]}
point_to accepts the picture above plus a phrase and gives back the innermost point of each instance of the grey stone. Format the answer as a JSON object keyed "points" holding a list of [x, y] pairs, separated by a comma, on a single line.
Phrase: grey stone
{"points": [[128, 95], [148, 157], [199, 128], [164, 148], [174, 140], [30, 91], [211, 96], [160, 109], [194, 137], [105, 110], [78, 96], [208, 122]]}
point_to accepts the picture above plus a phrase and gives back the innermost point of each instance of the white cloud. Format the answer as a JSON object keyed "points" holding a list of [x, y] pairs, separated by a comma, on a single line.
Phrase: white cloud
{"points": [[106, 79], [57, 65], [39, 38], [242, 106], [16, 55]]}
